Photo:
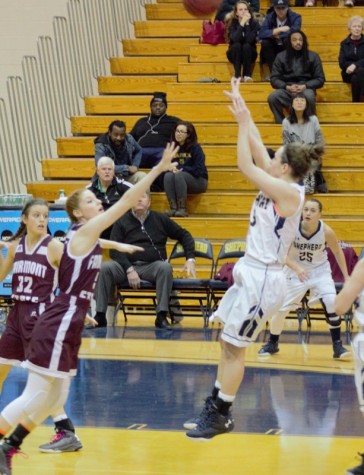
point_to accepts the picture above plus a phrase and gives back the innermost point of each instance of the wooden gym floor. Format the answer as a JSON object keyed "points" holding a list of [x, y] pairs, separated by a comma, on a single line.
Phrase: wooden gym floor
{"points": [[296, 412]]}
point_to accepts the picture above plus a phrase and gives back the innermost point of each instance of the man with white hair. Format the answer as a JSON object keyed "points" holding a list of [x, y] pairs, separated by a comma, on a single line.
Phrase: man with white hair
{"points": [[107, 187]]}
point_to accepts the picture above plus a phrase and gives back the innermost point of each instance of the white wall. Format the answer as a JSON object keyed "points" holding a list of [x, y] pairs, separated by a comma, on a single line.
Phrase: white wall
{"points": [[37, 103], [21, 23]]}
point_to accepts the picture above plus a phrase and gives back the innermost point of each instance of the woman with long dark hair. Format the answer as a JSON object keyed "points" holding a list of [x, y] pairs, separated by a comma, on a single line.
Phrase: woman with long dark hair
{"points": [[187, 173], [302, 126], [34, 257]]}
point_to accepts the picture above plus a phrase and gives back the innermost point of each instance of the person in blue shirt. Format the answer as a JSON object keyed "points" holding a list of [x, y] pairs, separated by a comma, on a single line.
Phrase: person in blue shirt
{"points": [[277, 25]]}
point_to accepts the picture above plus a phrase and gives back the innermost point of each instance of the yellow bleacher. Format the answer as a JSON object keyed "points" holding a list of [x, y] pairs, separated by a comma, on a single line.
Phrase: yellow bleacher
{"points": [[166, 55]]}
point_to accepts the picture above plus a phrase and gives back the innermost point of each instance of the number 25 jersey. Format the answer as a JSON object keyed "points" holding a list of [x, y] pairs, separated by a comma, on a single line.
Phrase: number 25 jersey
{"points": [[309, 251]]}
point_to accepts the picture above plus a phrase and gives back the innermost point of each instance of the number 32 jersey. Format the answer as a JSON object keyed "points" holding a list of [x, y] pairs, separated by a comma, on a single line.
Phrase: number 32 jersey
{"points": [[309, 251], [34, 278]]}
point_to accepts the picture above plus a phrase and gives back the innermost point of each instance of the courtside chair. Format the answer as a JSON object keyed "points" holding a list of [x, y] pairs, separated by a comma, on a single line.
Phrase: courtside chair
{"points": [[191, 296], [230, 251], [140, 301]]}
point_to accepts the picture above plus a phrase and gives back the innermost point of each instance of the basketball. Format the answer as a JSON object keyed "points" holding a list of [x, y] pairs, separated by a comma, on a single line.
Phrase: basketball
{"points": [[201, 7]]}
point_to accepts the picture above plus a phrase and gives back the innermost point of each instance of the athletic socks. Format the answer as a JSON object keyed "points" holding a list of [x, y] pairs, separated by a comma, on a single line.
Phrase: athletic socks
{"points": [[222, 406], [215, 392], [17, 436], [335, 334], [274, 338], [64, 424]]}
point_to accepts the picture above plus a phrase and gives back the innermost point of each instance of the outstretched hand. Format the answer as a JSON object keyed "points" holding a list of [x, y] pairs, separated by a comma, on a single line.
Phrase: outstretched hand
{"points": [[238, 107], [128, 248], [235, 87], [168, 155], [91, 321]]}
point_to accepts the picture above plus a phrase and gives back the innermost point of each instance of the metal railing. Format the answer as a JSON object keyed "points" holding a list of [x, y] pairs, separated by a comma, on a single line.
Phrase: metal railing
{"points": [[55, 82]]}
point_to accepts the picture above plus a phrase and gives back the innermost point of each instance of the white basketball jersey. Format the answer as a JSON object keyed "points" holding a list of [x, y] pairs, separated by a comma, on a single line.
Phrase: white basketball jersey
{"points": [[309, 252], [270, 235]]}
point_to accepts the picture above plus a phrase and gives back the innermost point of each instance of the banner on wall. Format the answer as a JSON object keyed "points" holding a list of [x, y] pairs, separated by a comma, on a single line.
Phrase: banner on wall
{"points": [[9, 223]]}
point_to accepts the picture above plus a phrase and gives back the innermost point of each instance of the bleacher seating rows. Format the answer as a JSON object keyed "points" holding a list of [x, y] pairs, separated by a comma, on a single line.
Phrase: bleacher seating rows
{"points": [[166, 55]]}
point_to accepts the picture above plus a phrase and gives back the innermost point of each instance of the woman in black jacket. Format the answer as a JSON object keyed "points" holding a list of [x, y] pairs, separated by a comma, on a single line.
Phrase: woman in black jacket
{"points": [[351, 58], [187, 173], [241, 32]]}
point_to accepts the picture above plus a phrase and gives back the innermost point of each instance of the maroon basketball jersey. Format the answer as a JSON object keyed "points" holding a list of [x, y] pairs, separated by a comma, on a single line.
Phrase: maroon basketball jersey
{"points": [[78, 274], [34, 278]]}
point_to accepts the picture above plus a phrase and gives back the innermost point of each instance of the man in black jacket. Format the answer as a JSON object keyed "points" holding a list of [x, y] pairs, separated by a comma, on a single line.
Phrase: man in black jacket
{"points": [[150, 230], [154, 131], [297, 69]]}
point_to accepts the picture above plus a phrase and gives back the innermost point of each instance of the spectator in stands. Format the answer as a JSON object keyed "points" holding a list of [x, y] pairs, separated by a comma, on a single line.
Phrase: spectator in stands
{"points": [[351, 58], [297, 69], [153, 132], [302, 126], [241, 34], [227, 7], [150, 230], [308, 268], [107, 187], [123, 149], [188, 173], [279, 23]]}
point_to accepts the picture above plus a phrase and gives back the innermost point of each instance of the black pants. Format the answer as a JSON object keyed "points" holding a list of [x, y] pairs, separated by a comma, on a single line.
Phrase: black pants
{"points": [[269, 51], [242, 55], [357, 83]]}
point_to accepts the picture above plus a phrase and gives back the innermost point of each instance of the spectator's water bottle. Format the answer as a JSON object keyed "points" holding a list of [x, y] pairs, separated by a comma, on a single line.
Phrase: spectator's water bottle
{"points": [[61, 198]]}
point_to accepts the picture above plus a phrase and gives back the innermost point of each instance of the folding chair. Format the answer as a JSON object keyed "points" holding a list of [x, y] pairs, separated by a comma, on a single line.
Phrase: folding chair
{"points": [[232, 250], [191, 296], [143, 301], [140, 301]]}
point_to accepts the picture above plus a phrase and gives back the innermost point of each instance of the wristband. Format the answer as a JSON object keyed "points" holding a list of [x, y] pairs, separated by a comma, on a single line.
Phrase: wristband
{"points": [[130, 270]]}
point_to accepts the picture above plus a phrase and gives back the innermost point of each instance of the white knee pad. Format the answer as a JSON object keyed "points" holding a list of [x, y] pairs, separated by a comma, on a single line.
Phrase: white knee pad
{"points": [[358, 349], [32, 403], [58, 396]]}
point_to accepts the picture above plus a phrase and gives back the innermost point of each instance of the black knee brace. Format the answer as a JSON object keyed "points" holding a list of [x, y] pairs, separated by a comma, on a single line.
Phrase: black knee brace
{"points": [[333, 320]]}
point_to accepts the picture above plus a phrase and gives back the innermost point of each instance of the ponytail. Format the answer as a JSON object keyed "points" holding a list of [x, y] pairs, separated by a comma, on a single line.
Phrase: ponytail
{"points": [[72, 203], [302, 158]]}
